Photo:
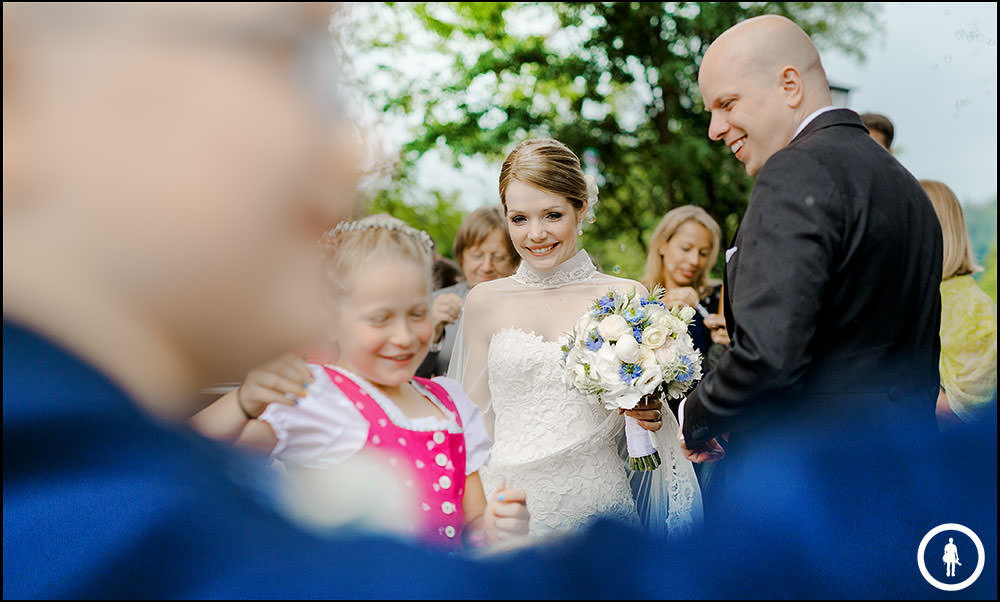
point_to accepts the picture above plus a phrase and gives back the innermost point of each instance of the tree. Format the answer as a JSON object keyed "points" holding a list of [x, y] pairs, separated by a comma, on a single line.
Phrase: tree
{"points": [[439, 218], [617, 80], [987, 279]]}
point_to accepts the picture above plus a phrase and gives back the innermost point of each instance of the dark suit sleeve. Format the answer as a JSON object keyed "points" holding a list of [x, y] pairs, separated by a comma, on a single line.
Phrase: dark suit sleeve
{"points": [[785, 255]]}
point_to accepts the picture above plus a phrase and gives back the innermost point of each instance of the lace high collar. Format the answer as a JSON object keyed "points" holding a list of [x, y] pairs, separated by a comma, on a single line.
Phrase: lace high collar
{"points": [[576, 268]]}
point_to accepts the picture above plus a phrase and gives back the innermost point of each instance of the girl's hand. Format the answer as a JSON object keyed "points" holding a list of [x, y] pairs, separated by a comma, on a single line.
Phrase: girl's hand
{"points": [[506, 515], [282, 381]]}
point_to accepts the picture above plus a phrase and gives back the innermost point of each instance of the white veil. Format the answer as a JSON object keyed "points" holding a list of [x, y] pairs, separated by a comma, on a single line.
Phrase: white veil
{"points": [[548, 305]]}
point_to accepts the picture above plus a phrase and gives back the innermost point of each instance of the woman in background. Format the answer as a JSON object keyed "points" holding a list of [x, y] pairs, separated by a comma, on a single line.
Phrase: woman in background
{"points": [[682, 251], [968, 320]]}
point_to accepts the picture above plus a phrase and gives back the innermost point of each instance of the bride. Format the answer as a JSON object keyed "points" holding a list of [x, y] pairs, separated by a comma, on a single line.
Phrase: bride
{"points": [[556, 443]]}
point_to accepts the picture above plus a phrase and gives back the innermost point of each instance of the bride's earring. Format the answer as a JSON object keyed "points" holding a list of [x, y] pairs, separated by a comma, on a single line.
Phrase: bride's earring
{"points": [[579, 228]]}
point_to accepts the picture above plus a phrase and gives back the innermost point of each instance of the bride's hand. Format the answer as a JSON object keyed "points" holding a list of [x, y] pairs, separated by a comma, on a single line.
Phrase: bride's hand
{"points": [[648, 413]]}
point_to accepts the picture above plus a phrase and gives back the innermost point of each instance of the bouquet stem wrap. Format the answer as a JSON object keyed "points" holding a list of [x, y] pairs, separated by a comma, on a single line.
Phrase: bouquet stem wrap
{"points": [[642, 454]]}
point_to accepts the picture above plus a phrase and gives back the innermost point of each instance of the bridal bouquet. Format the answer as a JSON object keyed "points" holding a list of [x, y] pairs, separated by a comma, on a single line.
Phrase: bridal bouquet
{"points": [[627, 347]]}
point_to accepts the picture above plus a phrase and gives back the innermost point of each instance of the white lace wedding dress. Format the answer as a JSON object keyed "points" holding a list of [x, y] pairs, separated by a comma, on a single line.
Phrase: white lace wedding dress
{"points": [[559, 445]]}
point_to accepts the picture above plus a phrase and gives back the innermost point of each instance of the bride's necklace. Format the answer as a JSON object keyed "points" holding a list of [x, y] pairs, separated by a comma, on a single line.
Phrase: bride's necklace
{"points": [[576, 268]]}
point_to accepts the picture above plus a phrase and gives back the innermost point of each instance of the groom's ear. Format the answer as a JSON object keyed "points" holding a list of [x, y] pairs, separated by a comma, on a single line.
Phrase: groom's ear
{"points": [[791, 86]]}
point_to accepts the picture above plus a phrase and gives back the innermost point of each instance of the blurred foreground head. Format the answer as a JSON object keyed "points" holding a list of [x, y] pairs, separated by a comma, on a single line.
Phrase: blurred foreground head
{"points": [[168, 170]]}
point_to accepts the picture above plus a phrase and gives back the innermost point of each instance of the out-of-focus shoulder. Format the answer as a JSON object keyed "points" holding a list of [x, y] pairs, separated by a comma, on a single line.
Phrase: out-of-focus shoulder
{"points": [[626, 284]]}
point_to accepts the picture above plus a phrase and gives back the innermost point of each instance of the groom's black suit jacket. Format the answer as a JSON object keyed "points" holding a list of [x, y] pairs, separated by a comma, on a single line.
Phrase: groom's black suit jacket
{"points": [[831, 298]]}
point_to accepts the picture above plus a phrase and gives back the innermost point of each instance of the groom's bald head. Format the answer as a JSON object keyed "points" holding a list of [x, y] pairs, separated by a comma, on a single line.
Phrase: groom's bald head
{"points": [[764, 46], [759, 80]]}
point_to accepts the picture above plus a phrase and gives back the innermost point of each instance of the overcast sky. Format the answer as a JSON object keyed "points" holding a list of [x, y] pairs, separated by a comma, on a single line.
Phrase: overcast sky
{"points": [[934, 74]]}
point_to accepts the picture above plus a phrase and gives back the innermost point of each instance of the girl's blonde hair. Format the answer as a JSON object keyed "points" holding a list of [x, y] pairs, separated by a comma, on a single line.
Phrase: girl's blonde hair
{"points": [[959, 259], [665, 230], [548, 165], [351, 246]]}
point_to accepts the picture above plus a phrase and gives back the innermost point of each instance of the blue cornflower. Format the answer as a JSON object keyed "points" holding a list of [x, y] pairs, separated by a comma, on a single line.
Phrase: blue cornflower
{"points": [[647, 301], [687, 371], [630, 372], [605, 305], [594, 341], [633, 316], [637, 333]]}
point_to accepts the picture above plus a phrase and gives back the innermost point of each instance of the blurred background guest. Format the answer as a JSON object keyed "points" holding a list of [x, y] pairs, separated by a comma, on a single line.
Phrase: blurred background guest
{"points": [[484, 252], [879, 128], [968, 320], [447, 272], [682, 251]]}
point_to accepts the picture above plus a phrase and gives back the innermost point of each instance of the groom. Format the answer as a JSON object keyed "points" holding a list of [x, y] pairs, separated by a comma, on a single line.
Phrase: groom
{"points": [[831, 281]]}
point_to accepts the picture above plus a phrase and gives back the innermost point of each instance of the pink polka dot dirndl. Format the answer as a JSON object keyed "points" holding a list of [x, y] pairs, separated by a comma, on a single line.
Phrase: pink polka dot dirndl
{"points": [[436, 459]]}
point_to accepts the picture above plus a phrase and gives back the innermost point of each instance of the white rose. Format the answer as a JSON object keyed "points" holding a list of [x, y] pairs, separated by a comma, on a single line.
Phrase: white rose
{"points": [[675, 324], [665, 355], [687, 312], [627, 349], [626, 399], [585, 325], [635, 302], [613, 328], [649, 381], [607, 365], [657, 317], [685, 343], [653, 337], [647, 357]]}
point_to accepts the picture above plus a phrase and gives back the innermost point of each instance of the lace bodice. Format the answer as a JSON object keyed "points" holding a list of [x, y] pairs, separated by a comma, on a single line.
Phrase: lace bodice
{"points": [[536, 414], [560, 446]]}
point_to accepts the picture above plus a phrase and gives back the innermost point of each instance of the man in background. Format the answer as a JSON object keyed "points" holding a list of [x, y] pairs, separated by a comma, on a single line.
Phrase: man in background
{"points": [[879, 128]]}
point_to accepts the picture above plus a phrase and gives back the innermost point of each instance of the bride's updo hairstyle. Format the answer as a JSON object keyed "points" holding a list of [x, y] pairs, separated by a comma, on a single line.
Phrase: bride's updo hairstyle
{"points": [[548, 165], [352, 246]]}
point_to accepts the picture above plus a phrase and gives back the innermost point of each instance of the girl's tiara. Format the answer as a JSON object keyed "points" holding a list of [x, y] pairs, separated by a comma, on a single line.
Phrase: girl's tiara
{"points": [[384, 222]]}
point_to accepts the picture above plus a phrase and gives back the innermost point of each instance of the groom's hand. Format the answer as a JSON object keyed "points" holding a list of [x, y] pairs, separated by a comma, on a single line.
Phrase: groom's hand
{"points": [[710, 451]]}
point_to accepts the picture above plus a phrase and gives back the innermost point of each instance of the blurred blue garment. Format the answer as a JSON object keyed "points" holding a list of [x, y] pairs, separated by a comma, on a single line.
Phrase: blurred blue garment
{"points": [[102, 501]]}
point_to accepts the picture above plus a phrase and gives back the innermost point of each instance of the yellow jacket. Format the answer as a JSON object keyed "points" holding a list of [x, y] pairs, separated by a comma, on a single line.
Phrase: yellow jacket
{"points": [[968, 346]]}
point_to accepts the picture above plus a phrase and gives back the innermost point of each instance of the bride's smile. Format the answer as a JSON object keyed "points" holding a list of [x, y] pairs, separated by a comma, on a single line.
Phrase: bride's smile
{"points": [[542, 225]]}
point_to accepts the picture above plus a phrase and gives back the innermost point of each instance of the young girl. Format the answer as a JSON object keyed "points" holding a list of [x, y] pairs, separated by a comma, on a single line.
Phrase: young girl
{"points": [[379, 284]]}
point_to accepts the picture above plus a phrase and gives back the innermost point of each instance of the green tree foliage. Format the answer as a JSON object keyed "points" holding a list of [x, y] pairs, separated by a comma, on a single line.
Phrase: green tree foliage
{"points": [[981, 220], [615, 79], [440, 217], [987, 279]]}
